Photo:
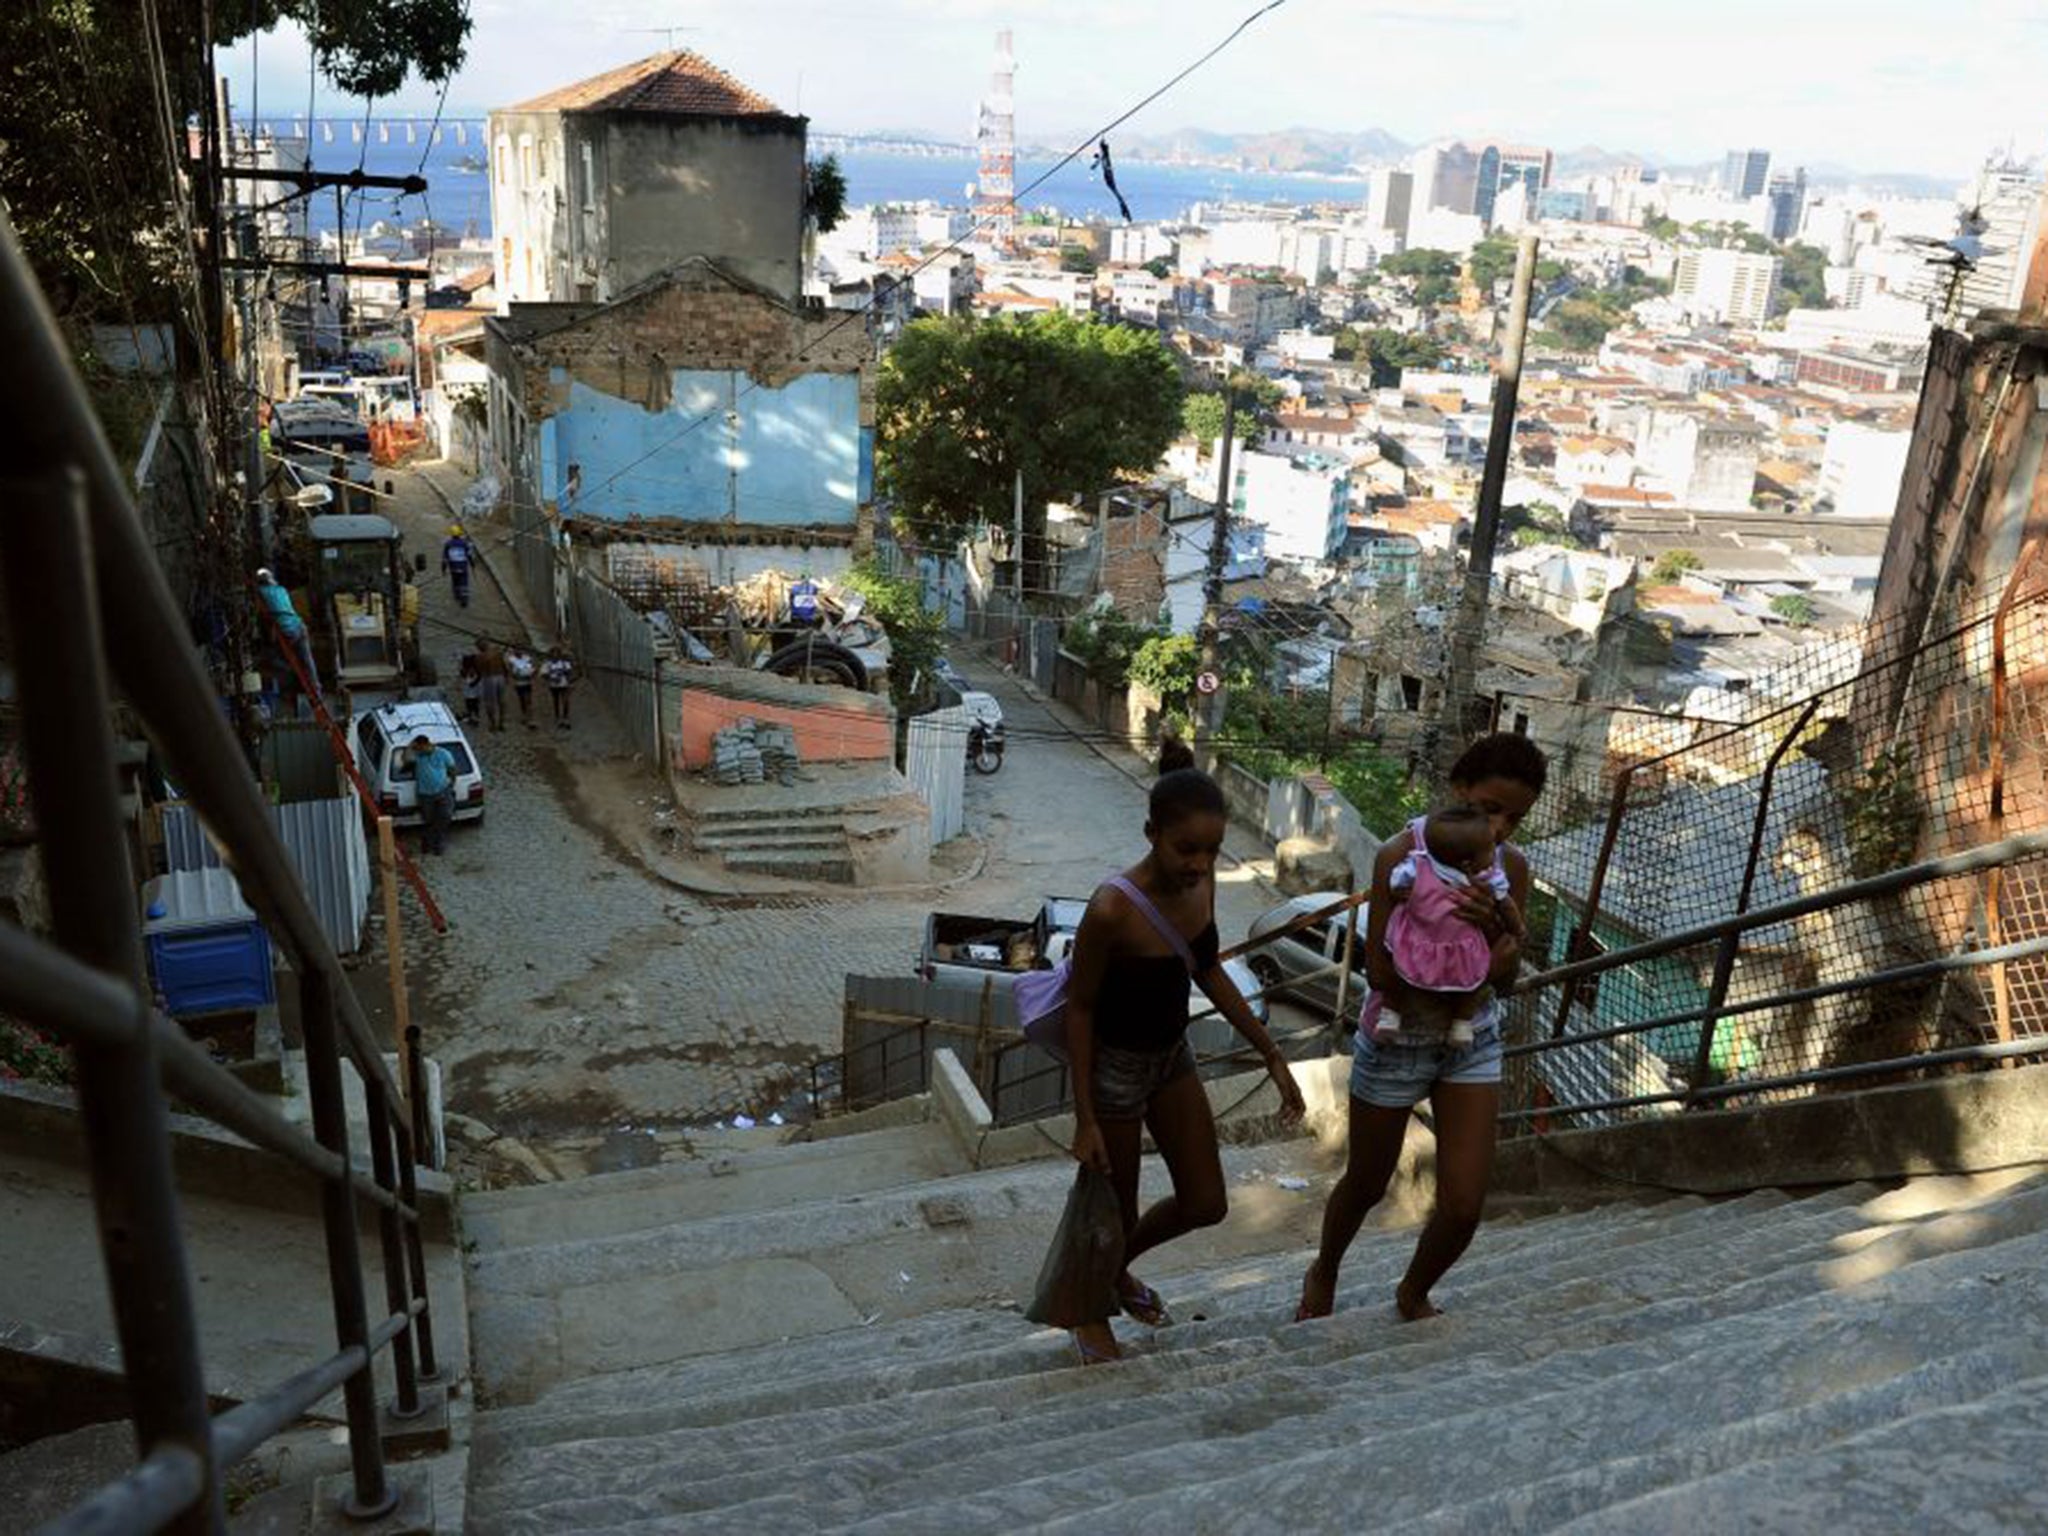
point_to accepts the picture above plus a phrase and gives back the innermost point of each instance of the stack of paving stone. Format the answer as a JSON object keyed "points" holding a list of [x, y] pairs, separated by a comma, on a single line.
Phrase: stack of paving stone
{"points": [[748, 752]]}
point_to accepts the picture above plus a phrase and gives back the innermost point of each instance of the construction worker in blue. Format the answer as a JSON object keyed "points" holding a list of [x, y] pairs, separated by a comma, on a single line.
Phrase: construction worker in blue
{"points": [[277, 604], [458, 555]]}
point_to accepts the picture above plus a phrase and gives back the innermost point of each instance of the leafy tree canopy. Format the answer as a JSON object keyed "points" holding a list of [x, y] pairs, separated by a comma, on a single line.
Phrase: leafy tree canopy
{"points": [[1202, 416], [1421, 262], [1671, 565], [1794, 608], [1802, 282], [824, 194], [83, 172], [1160, 268], [1491, 262], [1077, 258], [963, 407]]}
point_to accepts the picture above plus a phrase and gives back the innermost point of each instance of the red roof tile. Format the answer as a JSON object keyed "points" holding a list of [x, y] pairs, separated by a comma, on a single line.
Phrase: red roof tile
{"points": [[679, 82]]}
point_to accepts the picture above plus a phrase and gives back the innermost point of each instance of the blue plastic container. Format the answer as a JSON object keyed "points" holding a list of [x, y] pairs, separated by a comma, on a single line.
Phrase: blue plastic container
{"points": [[207, 951]]}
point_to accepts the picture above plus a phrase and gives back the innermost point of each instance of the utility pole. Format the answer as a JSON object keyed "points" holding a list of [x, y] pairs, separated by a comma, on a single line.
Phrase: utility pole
{"points": [[1017, 540], [1209, 709], [1455, 722]]}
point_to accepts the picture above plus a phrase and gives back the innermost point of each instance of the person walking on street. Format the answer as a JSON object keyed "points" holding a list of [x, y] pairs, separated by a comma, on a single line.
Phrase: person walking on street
{"points": [[560, 673], [278, 604], [1499, 777], [1145, 934], [472, 687], [490, 666], [521, 666], [457, 556], [433, 782]]}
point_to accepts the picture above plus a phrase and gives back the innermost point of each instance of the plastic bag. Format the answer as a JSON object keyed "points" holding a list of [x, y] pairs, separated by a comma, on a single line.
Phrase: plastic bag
{"points": [[1077, 1282]]}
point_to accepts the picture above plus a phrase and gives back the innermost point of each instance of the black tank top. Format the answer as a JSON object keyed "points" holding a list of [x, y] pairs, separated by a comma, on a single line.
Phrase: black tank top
{"points": [[1143, 1004]]}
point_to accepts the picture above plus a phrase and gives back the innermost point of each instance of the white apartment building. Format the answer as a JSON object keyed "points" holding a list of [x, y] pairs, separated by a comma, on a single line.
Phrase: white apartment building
{"points": [[1301, 503], [1132, 245], [1883, 320], [1253, 312], [1390, 195], [2007, 199], [1136, 294], [1861, 468], [1246, 243], [1706, 463], [1732, 287]]}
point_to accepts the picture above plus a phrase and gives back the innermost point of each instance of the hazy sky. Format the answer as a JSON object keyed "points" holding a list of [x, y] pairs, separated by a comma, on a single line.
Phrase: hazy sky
{"points": [[1907, 85]]}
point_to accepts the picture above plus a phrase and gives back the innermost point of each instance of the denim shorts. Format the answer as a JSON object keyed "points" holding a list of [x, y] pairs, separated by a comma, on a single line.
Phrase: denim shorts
{"points": [[1399, 1073], [1125, 1081]]}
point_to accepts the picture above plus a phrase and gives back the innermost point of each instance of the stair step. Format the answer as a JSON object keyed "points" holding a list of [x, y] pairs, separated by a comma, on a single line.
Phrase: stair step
{"points": [[778, 816], [1219, 1362], [791, 864], [830, 839]]}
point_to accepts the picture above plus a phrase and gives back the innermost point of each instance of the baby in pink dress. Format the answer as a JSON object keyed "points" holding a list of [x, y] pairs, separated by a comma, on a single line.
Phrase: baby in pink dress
{"points": [[1441, 957]]}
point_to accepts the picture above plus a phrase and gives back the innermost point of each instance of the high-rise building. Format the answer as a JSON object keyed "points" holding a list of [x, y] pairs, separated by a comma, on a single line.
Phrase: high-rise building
{"points": [[2006, 204], [1446, 176], [1787, 196], [1728, 287], [995, 200], [1746, 172], [1389, 197]]}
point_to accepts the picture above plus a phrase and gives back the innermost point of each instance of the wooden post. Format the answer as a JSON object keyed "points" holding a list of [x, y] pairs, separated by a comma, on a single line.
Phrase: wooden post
{"points": [[1350, 947], [394, 951]]}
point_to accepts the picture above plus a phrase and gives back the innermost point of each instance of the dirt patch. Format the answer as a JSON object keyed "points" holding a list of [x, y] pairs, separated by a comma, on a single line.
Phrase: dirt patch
{"points": [[707, 1053]]}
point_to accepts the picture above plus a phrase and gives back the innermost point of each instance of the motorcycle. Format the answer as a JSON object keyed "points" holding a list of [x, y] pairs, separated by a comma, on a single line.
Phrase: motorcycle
{"points": [[985, 746]]}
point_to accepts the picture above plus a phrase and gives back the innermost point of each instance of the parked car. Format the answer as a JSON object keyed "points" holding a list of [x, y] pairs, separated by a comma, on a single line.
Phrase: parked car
{"points": [[1310, 949], [382, 739]]}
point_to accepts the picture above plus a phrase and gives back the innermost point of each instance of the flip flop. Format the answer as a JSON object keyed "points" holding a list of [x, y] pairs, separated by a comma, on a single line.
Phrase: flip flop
{"points": [[1145, 1305], [1089, 1355]]}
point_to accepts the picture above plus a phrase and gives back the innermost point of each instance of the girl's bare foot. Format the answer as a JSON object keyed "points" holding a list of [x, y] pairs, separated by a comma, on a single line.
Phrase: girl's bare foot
{"points": [[1096, 1343], [1414, 1308], [1318, 1294]]}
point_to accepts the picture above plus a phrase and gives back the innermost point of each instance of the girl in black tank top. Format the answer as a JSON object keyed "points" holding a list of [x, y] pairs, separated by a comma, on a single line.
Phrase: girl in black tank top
{"points": [[1127, 1018]]}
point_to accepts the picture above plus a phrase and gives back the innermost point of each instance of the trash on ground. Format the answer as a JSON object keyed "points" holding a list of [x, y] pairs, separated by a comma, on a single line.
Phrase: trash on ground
{"points": [[1291, 1181]]}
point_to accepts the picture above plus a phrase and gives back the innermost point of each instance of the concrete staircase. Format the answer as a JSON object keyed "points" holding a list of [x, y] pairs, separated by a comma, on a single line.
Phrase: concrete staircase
{"points": [[797, 843], [760, 1351]]}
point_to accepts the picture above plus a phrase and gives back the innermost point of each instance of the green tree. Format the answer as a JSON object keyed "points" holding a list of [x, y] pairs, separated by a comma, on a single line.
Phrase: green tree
{"points": [[1168, 665], [1671, 565], [1491, 262], [1802, 281], [1580, 325], [1077, 258], [824, 194], [1421, 262], [1794, 608], [1202, 416], [1431, 292], [1661, 227], [1160, 268], [964, 407], [83, 170], [1390, 351], [917, 636]]}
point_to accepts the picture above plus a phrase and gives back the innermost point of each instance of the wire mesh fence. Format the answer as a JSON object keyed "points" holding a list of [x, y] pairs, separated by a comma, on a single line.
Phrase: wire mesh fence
{"points": [[1828, 771]]}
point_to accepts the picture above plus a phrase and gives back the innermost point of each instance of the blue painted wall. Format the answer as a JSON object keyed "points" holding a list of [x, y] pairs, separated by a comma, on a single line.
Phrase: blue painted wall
{"points": [[798, 455]]}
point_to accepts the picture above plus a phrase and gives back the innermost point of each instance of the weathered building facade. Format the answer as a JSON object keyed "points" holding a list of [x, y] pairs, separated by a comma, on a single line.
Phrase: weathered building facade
{"points": [[600, 185]]}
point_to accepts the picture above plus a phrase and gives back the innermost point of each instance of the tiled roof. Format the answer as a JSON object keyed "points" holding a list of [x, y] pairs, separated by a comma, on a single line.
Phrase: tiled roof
{"points": [[679, 82]]}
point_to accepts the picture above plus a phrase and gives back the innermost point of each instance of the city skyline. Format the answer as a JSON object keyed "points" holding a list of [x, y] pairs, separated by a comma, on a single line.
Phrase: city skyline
{"points": [[1683, 86]]}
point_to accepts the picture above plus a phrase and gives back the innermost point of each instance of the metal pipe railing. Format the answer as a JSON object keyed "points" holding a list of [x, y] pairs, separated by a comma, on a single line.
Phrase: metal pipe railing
{"points": [[1921, 970], [74, 535], [52, 608], [2012, 1050], [51, 422]]}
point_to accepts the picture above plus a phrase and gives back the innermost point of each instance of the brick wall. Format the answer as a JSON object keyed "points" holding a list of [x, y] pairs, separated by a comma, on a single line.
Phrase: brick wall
{"points": [[1134, 562]]}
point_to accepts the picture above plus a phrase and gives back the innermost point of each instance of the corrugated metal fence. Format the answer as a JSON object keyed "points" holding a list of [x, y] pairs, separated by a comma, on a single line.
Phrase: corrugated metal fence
{"points": [[533, 543], [935, 762], [615, 653], [327, 847]]}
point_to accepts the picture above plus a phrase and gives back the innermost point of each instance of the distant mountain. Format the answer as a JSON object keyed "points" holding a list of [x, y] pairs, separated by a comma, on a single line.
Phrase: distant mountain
{"points": [[1287, 151]]}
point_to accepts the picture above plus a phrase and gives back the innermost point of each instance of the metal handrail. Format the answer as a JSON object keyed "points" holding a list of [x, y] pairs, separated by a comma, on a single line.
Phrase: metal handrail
{"points": [[75, 535]]}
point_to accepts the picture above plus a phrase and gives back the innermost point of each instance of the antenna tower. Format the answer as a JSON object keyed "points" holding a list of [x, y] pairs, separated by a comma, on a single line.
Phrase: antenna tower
{"points": [[995, 200]]}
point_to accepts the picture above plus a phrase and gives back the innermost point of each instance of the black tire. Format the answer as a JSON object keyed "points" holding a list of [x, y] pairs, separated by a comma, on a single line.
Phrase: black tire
{"points": [[818, 661], [1268, 971], [987, 760]]}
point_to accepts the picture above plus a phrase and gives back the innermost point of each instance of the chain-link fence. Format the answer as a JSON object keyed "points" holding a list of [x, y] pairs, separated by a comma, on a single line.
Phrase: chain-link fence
{"points": [[1825, 773]]}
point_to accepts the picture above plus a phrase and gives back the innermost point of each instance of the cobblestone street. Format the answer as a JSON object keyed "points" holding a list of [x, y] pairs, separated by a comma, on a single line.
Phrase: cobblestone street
{"points": [[579, 990]]}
